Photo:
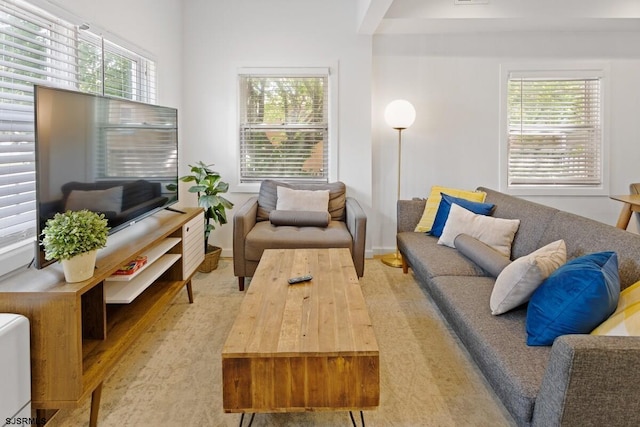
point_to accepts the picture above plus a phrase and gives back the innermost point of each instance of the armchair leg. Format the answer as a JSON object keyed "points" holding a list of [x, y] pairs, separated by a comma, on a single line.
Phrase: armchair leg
{"points": [[241, 283]]}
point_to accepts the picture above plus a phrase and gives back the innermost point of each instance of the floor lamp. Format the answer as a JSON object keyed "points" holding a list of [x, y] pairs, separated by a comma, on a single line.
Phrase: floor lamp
{"points": [[399, 114]]}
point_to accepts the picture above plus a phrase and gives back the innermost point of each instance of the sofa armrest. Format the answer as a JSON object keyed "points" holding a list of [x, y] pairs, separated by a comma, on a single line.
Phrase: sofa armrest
{"points": [[409, 213], [356, 221], [590, 380], [243, 221]]}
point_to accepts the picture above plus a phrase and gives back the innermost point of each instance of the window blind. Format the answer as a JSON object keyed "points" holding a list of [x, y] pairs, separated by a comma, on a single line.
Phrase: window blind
{"points": [[39, 48], [555, 132], [284, 127]]}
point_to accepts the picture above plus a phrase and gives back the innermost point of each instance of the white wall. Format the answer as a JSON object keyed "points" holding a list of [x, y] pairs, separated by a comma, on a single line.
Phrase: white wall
{"points": [[220, 36], [453, 81], [154, 26]]}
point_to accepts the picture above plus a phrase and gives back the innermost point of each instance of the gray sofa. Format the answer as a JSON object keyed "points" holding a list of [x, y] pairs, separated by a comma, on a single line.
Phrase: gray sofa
{"points": [[581, 380], [254, 229]]}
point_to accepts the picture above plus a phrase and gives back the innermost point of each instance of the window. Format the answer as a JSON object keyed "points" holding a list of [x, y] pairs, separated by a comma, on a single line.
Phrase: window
{"points": [[39, 48], [555, 132], [284, 125]]}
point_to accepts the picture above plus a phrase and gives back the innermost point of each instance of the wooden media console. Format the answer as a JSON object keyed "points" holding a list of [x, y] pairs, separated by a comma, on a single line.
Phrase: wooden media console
{"points": [[79, 331]]}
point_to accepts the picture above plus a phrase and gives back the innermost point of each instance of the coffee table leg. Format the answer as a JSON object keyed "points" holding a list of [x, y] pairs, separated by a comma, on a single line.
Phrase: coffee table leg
{"points": [[250, 420], [353, 421]]}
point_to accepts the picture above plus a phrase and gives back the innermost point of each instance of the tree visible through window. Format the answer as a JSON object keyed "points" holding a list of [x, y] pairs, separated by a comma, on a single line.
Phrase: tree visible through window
{"points": [[39, 48], [284, 127], [555, 132]]}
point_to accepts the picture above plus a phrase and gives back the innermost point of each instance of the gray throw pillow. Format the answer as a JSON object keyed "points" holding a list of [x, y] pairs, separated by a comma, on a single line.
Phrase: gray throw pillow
{"points": [[300, 218], [487, 258]]}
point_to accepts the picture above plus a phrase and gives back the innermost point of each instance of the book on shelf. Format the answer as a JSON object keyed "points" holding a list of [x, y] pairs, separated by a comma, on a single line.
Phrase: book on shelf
{"points": [[132, 266]]}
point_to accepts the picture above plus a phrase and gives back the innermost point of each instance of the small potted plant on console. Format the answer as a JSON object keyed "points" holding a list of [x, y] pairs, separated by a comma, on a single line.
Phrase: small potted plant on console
{"points": [[73, 238], [208, 186]]}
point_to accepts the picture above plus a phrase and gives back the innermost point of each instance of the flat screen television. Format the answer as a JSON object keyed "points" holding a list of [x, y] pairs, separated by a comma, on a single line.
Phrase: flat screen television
{"points": [[108, 155]]}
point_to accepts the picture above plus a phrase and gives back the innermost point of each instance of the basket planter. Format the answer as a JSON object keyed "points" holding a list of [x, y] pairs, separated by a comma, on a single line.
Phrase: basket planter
{"points": [[80, 267], [211, 258]]}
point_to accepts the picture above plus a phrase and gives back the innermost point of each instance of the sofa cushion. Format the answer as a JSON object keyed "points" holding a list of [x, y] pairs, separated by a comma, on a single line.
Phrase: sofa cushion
{"points": [[302, 200], [583, 236], [300, 218], [418, 247], [268, 196], [264, 235], [445, 208], [517, 282], [496, 344], [534, 219], [482, 254], [575, 299], [433, 202], [495, 232], [109, 200]]}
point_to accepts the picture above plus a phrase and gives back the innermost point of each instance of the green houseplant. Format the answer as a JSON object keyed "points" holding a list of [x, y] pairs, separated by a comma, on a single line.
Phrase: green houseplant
{"points": [[209, 185], [73, 238]]}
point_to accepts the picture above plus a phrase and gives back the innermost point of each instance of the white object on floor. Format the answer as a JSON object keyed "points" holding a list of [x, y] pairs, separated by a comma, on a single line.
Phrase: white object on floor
{"points": [[15, 368]]}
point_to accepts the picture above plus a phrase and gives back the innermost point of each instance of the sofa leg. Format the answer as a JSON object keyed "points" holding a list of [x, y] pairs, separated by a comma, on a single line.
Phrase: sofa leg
{"points": [[241, 283], [405, 266]]}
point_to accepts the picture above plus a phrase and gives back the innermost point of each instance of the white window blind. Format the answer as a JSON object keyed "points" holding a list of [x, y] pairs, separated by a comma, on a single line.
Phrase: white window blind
{"points": [[555, 131], [284, 127], [39, 48]]}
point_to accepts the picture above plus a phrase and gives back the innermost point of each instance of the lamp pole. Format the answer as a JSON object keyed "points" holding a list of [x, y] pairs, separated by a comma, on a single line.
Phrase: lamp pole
{"points": [[399, 114]]}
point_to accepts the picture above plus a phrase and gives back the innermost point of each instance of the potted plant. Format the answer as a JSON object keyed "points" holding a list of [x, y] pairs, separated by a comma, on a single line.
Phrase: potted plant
{"points": [[73, 238], [208, 186]]}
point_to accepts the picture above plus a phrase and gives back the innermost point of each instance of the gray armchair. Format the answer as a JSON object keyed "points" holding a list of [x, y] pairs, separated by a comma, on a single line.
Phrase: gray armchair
{"points": [[253, 232]]}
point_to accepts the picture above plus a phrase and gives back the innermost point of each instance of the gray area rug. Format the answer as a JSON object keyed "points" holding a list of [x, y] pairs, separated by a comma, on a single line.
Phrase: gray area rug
{"points": [[171, 376]]}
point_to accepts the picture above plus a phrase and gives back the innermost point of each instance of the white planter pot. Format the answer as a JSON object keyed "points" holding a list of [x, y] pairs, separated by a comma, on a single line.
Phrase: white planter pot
{"points": [[80, 267]]}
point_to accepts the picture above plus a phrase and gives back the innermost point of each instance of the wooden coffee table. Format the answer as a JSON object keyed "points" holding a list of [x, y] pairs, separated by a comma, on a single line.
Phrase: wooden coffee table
{"points": [[303, 347]]}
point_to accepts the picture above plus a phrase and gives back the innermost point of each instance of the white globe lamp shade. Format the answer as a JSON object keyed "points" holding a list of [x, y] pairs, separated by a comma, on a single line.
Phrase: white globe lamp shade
{"points": [[400, 114]]}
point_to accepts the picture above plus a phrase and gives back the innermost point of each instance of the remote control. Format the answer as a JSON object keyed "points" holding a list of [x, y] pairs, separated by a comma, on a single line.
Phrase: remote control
{"points": [[300, 279]]}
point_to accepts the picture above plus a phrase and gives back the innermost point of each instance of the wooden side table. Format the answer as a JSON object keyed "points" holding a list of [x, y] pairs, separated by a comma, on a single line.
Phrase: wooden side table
{"points": [[631, 203]]}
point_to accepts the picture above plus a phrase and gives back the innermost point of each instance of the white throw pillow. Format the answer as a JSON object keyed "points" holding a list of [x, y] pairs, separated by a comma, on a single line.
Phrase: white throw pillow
{"points": [[302, 200], [495, 232], [517, 282]]}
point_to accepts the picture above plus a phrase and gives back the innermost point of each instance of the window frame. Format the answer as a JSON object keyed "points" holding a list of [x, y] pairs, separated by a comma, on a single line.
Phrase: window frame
{"points": [[20, 252], [331, 72], [559, 69]]}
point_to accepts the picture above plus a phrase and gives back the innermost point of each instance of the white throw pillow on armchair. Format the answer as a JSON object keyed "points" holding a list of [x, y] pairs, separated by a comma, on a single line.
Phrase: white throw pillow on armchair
{"points": [[302, 200]]}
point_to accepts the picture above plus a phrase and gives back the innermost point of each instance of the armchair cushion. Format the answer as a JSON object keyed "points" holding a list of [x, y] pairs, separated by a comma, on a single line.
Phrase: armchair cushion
{"points": [[264, 235], [268, 197]]}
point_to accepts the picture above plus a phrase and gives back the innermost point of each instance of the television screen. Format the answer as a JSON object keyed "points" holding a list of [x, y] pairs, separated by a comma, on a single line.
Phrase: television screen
{"points": [[108, 155]]}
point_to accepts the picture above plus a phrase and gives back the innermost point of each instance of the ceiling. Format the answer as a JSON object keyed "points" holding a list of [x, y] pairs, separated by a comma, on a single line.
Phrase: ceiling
{"points": [[445, 16]]}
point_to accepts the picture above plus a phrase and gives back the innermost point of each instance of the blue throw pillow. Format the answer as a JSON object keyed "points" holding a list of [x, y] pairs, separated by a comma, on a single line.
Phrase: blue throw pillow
{"points": [[445, 207], [574, 299]]}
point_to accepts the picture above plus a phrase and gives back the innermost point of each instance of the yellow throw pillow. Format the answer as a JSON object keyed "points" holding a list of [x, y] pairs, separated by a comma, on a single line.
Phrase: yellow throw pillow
{"points": [[625, 321], [621, 323], [433, 202], [629, 295]]}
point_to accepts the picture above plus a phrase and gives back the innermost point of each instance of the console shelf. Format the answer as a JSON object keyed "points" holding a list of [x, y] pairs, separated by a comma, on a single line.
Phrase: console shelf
{"points": [[152, 255], [124, 292], [79, 331]]}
